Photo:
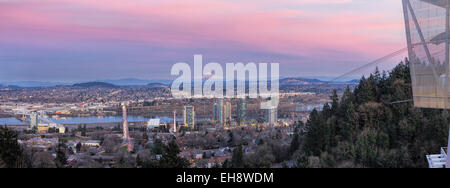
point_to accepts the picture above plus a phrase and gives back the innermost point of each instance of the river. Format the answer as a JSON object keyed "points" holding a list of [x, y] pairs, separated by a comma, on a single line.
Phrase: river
{"points": [[94, 120]]}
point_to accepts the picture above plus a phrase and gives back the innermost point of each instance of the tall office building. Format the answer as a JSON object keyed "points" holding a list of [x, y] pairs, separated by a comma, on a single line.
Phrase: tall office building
{"points": [[219, 112], [227, 112], [272, 116], [242, 111], [34, 120], [189, 116], [222, 112], [216, 113]]}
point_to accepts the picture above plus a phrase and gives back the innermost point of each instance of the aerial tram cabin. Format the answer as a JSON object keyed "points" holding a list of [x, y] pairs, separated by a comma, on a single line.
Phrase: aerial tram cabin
{"points": [[427, 31]]}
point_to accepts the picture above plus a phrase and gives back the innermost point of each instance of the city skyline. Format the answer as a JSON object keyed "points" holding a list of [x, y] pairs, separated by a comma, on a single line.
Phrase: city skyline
{"points": [[224, 84], [85, 40]]}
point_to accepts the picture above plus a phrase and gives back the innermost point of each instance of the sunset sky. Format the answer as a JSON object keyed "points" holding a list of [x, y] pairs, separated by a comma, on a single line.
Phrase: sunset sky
{"points": [[79, 40]]}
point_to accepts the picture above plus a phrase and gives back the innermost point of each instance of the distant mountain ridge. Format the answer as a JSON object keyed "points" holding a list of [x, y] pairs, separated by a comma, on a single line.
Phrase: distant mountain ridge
{"points": [[134, 82], [310, 81], [162, 83], [300, 81], [157, 85], [95, 84]]}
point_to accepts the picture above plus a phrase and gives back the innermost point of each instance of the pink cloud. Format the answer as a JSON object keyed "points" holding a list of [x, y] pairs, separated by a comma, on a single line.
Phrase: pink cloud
{"points": [[214, 24]]}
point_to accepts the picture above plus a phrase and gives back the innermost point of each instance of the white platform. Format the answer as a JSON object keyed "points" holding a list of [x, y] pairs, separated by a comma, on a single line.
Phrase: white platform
{"points": [[438, 160]]}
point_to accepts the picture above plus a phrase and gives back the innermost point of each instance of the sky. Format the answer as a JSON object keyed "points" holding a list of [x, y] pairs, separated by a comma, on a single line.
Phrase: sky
{"points": [[81, 40]]}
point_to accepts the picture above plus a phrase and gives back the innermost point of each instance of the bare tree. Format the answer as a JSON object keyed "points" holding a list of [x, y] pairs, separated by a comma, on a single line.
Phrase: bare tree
{"points": [[43, 160], [111, 144], [2, 164]]}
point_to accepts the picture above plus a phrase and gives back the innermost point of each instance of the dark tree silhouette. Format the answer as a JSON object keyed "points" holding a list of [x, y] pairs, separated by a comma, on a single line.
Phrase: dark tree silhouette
{"points": [[11, 152]]}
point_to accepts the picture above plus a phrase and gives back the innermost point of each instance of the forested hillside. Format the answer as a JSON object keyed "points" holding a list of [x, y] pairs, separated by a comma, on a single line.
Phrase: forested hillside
{"points": [[363, 129]]}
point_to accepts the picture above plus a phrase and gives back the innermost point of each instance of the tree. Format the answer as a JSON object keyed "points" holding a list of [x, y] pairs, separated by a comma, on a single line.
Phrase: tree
{"points": [[139, 162], [43, 160], [158, 147], [366, 130], [83, 131], [227, 164], [61, 158], [237, 159], [294, 144], [145, 136], [263, 157], [111, 143], [78, 147], [170, 158], [2, 164], [10, 150], [123, 159], [335, 103], [302, 161], [118, 127]]}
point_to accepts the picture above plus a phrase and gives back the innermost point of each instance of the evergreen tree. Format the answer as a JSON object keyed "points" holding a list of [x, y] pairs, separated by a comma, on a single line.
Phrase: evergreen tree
{"points": [[145, 135], [83, 131], [364, 129], [10, 150], [158, 147], [170, 158], [237, 159], [335, 103], [78, 147], [294, 144], [61, 158]]}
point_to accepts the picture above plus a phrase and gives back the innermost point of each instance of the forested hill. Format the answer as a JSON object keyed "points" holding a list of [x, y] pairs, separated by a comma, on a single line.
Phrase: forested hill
{"points": [[362, 128]]}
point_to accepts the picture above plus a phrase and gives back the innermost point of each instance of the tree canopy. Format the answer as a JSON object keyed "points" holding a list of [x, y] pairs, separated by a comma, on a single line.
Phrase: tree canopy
{"points": [[363, 129]]}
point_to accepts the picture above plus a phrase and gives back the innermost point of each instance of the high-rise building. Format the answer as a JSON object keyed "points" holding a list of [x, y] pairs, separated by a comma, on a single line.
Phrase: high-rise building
{"points": [[219, 112], [272, 116], [242, 111], [216, 113], [222, 112], [34, 120], [227, 112], [189, 116]]}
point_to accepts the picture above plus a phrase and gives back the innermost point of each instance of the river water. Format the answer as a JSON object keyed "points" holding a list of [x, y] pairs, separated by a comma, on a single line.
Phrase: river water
{"points": [[93, 120]]}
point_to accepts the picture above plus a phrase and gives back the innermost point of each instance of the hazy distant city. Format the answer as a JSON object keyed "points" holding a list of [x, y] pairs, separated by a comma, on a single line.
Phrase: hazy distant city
{"points": [[100, 124]]}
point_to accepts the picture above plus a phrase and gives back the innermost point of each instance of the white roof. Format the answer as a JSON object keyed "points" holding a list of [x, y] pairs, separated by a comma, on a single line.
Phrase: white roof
{"points": [[154, 122]]}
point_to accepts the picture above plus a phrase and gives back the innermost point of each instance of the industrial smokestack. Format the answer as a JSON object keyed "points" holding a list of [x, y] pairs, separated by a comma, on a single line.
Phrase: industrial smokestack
{"points": [[126, 135], [174, 121]]}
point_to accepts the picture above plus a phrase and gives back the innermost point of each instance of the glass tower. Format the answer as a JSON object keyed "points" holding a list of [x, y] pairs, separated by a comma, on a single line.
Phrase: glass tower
{"points": [[189, 116]]}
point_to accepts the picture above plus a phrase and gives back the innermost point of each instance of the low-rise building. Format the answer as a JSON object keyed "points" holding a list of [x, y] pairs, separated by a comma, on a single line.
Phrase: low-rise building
{"points": [[91, 143], [153, 123]]}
